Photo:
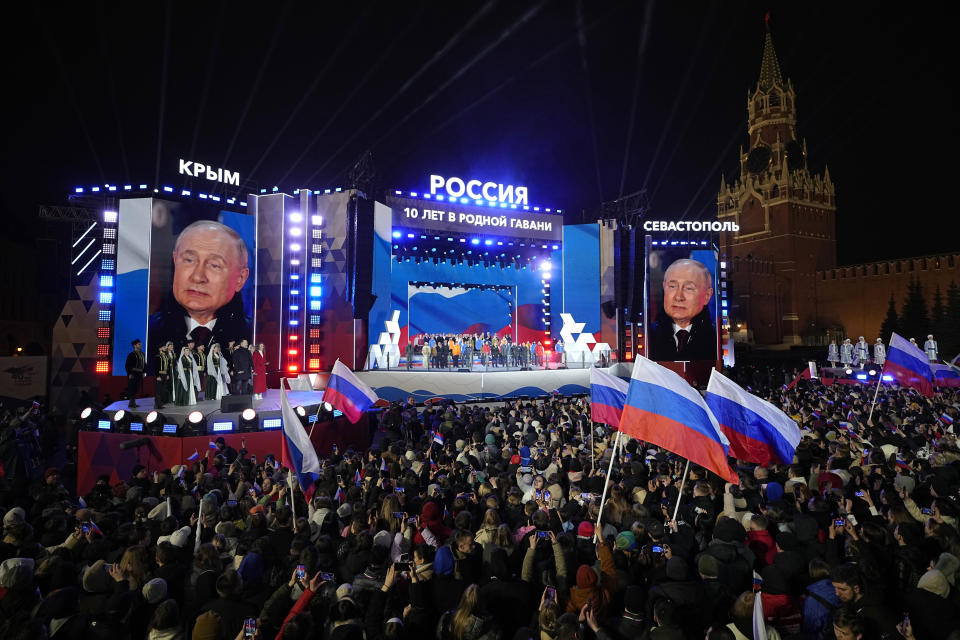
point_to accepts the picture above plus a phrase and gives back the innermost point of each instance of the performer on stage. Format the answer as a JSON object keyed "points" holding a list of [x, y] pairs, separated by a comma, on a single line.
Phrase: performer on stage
{"points": [[879, 353], [187, 381], [218, 378], [930, 346], [426, 355], [242, 368], [135, 364], [259, 372], [201, 358], [165, 362], [833, 353], [862, 351], [846, 353]]}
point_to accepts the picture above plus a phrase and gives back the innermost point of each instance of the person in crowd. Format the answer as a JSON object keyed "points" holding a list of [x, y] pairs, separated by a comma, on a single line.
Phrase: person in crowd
{"points": [[496, 532]]}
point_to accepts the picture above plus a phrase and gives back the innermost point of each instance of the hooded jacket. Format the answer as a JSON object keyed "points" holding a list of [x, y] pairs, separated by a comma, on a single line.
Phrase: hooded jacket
{"points": [[589, 587]]}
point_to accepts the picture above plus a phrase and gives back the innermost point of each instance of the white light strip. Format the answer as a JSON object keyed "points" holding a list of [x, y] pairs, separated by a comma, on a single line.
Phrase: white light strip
{"points": [[99, 251], [83, 251], [84, 234]]}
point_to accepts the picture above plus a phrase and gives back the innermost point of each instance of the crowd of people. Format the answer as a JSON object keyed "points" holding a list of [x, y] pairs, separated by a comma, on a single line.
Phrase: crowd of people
{"points": [[472, 521]]}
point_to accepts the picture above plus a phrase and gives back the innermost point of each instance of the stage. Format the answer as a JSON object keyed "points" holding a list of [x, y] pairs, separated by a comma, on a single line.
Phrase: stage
{"points": [[100, 453], [397, 385], [267, 409]]}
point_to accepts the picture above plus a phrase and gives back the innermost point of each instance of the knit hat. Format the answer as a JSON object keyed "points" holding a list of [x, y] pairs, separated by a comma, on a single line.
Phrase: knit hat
{"points": [[207, 627], [14, 517], [586, 577], [383, 539], [708, 566], [178, 538], [626, 541], [155, 591], [934, 582], [677, 569], [729, 530], [443, 561], [16, 572], [774, 491], [490, 439], [585, 530], [345, 511], [345, 592]]}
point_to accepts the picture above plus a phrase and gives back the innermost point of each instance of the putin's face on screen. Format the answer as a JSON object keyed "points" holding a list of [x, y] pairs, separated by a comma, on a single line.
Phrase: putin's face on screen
{"points": [[687, 288], [210, 267]]}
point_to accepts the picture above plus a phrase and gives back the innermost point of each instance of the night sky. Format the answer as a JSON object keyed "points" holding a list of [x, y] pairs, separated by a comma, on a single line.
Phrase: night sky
{"points": [[534, 93]]}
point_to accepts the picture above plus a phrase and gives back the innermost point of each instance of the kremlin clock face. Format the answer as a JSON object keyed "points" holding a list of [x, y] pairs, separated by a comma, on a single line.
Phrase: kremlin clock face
{"points": [[759, 159], [794, 155]]}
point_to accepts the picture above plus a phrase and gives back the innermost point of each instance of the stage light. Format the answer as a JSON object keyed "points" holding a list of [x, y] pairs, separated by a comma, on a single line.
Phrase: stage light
{"points": [[316, 220], [78, 190], [272, 423], [222, 426], [203, 196], [195, 424], [248, 421], [95, 189], [121, 421], [296, 217], [296, 231], [295, 247], [300, 410], [327, 406], [488, 242], [86, 413], [103, 425], [110, 217], [474, 241], [152, 417], [849, 372], [861, 376], [397, 192], [143, 186], [887, 377], [873, 372], [397, 234]]}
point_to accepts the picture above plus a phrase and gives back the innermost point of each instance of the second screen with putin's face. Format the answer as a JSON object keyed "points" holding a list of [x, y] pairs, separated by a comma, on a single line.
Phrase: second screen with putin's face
{"points": [[681, 302]]}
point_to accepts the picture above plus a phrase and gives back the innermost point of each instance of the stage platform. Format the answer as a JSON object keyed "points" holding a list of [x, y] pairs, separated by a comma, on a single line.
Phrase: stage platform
{"points": [[266, 409], [399, 384]]}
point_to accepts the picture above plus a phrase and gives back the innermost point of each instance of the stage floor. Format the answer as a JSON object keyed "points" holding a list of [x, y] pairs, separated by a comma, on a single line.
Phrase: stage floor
{"points": [[269, 405]]}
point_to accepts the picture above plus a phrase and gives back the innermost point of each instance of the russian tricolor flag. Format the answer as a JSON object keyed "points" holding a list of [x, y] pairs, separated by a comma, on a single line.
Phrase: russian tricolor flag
{"points": [[357, 480], [194, 456], [297, 452], [946, 419], [663, 409], [338, 496], [608, 394], [944, 375], [346, 392], [438, 438], [909, 365], [757, 430]]}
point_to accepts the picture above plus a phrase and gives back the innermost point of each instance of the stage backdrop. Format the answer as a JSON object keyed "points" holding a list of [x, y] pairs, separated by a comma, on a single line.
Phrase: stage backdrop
{"points": [[460, 310]]}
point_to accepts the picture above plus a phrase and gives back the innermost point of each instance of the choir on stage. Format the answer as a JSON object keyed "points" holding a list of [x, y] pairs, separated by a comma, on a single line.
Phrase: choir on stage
{"points": [[858, 355]]}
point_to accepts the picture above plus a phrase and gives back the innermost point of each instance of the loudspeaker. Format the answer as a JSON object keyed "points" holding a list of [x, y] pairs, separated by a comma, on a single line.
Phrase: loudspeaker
{"points": [[236, 404]]}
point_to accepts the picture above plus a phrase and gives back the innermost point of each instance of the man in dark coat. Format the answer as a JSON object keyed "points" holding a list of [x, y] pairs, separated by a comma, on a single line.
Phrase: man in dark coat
{"points": [[685, 330], [135, 364], [242, 361], [210, 268]]}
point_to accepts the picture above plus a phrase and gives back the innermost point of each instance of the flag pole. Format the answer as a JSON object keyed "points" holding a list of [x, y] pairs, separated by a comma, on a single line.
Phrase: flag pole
{"points": [[683, 479], [606, 483], [293, 501], [877, 390]]}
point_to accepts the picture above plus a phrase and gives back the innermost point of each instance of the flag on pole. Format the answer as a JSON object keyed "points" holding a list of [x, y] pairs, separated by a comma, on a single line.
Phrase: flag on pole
{"points": [[346, 392], [438, 438], [297, 452], [946, 419], [608, 394], [757, 430], [357, 480], [663, 409], [338, 496], [945, 375], [194, 456], [909, 365], [759, 620], [212, 445]]}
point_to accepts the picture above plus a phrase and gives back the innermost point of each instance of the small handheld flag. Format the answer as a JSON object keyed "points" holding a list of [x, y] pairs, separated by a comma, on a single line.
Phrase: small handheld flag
{"points": [[194, 456], [946, 419], [212, 445], [438, 438], [338, 496], [357, 479], [346, 392]]}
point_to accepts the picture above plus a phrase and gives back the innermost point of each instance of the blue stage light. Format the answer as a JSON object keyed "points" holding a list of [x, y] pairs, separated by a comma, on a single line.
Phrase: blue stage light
{"points": [[887, 377], [106, 281], [555, 247], [861, 376], [143, 186], [488, 242], [479, 201], [271, 423], [316, 292], [106, 297], [410, 235], [103, 425], [112, 188], [225, 425], [464, 201], [185, 192], [95, 189], [413, 194], [215, 198], [78, 190], [397, 234], [168, 189], [440, 197], [203, 196], [474, 241], [397, 192], [170, 429], [294, 323]]}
